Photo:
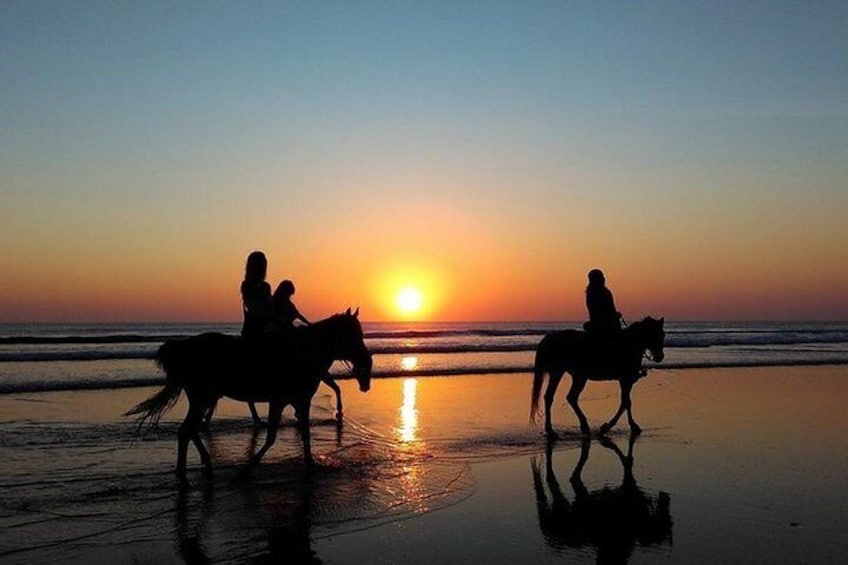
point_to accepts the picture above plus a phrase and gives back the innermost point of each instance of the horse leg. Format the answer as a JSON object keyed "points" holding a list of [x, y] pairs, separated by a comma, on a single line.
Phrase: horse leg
{"points": [[207, 417], [301, 412], [205, 458], [577, 386], [624, 405], [257, 421], [576, 478], [189, 430], [635, 429], [553, 382], [275, 413], [332, 384]]}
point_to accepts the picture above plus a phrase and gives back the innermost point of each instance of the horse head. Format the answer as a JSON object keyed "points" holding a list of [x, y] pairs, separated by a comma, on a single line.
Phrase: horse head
{"points": [[654, 338], [350, 346]]}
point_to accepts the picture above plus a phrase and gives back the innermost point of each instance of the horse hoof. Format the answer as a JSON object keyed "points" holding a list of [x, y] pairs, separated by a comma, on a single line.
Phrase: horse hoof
{"points": [[552, 435], [635, 430], [604, 429]]}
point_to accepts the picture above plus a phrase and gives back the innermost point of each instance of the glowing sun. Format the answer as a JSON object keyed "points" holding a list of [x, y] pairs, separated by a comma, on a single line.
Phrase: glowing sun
{"points": [[409, 300]]}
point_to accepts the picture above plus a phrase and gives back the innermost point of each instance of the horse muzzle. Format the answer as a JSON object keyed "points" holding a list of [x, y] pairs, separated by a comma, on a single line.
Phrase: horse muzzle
{"points": [[362, 372]]}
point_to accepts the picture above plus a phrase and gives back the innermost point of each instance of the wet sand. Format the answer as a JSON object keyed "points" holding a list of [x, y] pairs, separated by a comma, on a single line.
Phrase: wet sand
{"points": [[734, 465]]}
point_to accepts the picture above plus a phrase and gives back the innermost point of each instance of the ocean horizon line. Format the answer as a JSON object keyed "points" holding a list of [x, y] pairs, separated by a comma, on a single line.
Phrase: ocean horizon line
{"points": [[438, 322]]}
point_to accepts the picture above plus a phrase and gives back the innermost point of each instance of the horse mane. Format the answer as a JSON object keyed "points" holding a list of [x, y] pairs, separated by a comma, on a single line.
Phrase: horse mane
{"points": [[645, 322], [335, 317]]}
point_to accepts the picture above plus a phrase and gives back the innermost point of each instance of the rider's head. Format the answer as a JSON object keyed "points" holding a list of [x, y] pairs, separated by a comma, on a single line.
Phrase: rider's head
{"points": [[596, 277], [285, 289], [256, 267]]}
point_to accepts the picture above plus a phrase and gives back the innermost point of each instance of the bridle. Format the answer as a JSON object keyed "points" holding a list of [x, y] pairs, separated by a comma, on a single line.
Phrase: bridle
{"points": [[646, 353]]}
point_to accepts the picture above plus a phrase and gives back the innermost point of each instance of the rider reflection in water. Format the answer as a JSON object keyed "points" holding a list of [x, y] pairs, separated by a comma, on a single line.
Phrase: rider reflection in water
{"points": [[604, 318]]}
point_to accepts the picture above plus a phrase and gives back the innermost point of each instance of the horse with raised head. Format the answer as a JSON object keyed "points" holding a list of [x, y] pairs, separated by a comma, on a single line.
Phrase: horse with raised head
{"points": [[586, 358], [280, 371]]}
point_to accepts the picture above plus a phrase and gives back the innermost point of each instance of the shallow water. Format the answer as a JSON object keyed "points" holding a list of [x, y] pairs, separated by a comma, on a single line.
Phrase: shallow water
{"points": [[747, 465]]}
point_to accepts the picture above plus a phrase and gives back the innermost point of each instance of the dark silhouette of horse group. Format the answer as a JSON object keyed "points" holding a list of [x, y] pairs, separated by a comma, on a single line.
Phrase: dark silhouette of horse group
{"points": [[286, 369]]}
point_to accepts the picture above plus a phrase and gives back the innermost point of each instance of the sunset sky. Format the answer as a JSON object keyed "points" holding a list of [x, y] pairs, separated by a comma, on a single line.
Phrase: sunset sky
{"points": [[483, 154]]}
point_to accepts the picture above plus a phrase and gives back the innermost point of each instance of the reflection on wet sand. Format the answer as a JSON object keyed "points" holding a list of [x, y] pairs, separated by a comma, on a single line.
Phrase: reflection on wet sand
{"points": [[278, 512], [612, 520], [411, 447], [408, 427], [284, 517]]}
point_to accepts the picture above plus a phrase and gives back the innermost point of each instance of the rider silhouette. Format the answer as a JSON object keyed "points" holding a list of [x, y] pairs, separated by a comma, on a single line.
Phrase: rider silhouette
{"points": [[284, 309], [258, 308], [256, 300], [604, 318]]}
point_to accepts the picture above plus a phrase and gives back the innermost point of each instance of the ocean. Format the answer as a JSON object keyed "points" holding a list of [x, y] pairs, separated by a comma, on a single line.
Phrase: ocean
{"points": [[50, 357]]}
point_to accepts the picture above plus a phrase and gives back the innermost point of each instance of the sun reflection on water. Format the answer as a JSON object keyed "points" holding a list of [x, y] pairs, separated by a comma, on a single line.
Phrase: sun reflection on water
{"points": [[409, 363], [408, 428], [411, 447]]}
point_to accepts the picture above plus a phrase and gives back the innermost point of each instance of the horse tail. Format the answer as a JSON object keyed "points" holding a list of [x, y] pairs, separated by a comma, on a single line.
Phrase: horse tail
{"points": [[168, 359], [149, 412], [539, 371]]}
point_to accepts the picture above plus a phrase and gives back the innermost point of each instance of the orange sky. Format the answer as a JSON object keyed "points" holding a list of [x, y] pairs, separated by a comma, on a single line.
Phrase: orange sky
{"points": [[486, 266]]}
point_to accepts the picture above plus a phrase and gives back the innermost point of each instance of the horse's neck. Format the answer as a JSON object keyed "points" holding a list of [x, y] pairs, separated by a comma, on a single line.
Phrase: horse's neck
{"points": [[634, 339], [635, 333], [318, 340]]}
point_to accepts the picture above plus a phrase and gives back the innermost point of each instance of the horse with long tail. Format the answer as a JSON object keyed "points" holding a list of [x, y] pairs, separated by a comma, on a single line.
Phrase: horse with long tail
{"points": [[279, 371], [585, 358]]}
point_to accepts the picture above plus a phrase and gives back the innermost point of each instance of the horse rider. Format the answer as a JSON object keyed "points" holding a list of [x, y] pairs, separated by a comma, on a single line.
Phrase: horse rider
{"points": [[604, 319]]}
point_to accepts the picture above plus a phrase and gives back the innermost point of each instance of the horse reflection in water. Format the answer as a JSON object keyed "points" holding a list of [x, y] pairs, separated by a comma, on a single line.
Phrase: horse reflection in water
{"points": [[612, 520], [272, 522]]}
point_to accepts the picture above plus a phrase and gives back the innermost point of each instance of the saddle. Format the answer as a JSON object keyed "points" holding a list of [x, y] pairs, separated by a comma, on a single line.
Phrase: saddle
{"points": [[605, 352]]}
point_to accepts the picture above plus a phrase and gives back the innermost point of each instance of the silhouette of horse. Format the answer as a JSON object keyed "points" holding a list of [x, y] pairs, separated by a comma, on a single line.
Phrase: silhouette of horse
{"points": [[257, 421], [284, 372], [613, 520], [585, 357]]}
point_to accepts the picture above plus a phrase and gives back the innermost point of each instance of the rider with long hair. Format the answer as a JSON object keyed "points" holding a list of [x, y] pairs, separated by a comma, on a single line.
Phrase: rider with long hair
{"points": [[258, 308], [256, 297]]}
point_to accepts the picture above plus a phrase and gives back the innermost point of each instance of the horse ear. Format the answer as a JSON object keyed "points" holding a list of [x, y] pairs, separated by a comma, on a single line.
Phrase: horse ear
{"points": [[662, 320], [347, 312], [356, 312]]}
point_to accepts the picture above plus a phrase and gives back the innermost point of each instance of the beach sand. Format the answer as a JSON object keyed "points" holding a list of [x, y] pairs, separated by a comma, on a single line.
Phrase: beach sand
{"points": [[734, 465]]}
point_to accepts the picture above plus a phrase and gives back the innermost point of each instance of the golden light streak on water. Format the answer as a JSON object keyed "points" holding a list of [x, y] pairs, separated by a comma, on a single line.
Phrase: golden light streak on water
{"points": [[409, 363], [408, 429]]}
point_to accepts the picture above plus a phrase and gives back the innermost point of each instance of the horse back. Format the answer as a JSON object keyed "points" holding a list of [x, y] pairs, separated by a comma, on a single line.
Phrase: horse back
{"points": [[199, 352], [215, 365], [558, 347], [561, 340]]}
